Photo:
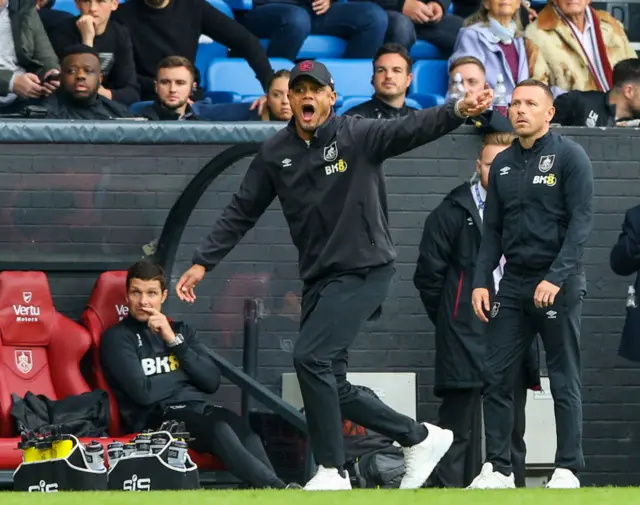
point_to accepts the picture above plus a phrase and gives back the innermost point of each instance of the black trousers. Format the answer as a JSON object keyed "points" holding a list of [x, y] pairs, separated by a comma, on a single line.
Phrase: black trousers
{"points": [[461, 412], [224, 434], [512, 325], [333, 313]]}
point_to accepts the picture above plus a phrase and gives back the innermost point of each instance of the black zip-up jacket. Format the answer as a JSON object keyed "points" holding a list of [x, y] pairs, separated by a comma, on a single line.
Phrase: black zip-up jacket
{"points": [[332, 191], [61, 105], [158, 112], [378, 109], [585, 108], [146, 376], [444, 275], [539, 210]]}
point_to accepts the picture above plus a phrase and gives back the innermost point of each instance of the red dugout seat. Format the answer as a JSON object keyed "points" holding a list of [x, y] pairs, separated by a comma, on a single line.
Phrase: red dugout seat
{"points": [[107, 306], [40, 351]]}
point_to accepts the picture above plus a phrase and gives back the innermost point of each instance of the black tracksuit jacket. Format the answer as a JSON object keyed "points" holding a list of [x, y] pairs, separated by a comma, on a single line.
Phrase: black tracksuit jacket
{"points": [[332, 191], [444, 275], [146, 376], [539, 211], [585, 108]]}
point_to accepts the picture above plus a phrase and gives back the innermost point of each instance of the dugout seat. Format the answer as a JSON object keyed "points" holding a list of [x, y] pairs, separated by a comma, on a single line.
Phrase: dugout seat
{"points": [[40, 351], [106, 307]]}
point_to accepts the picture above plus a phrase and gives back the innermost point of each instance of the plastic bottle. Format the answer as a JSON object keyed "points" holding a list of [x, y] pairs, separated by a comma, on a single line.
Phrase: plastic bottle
{"points": [[43, 446], [94, 453], [115, 452], [177, 454], [143, 444], [457, 88], [129, 449], [631, 298], [500, 97], [158, 443]]}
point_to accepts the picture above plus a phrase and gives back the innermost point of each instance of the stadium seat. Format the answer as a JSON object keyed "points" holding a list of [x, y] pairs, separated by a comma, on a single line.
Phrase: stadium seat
{"points": [[426, 100], [318, 46], [40, 351], [107, 304], [67, 6], [352, 77], [422, 50], [222, 6], [236, 76], [138, 106], [429, 77]]}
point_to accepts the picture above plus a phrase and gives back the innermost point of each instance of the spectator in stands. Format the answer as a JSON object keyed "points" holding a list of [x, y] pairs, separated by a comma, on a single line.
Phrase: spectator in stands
{"points": [[49, 16], [287, 23], [278, 107], [445, 268], [596, 108], [29, 69], [174, 83], [78, 96], [111, 40], [578, 46], [429, 21], [148, 394], [161, 28], [391, 79], [494, 36], [473, 79]]}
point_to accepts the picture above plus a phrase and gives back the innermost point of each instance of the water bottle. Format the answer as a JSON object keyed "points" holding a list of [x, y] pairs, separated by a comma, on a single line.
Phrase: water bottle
{"points": [[129, 449], [94, 454], [500, 97], [457, 88], [158, 442], [115, 452], [631, 298], [143, 444], [177, 454], [43, 447]]}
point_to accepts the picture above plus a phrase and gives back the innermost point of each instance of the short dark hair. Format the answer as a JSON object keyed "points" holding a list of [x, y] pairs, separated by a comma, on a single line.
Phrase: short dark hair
{"points": [[466, 60], [393, 48], [626, 71], [147, 270], [78, 49], [283, 72], [176, 62], [536, 84]]}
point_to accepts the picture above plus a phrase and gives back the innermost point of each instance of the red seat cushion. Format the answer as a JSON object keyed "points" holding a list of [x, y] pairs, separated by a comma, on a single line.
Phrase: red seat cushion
{"points": [[40, 349], [106, 307]]}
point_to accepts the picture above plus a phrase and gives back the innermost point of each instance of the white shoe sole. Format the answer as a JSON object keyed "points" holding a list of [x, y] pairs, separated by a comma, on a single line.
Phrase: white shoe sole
{"points": [[440, 441]]}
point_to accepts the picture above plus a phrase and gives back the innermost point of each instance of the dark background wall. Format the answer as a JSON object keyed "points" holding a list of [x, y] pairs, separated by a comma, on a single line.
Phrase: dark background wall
{"points": [[68, 204]]}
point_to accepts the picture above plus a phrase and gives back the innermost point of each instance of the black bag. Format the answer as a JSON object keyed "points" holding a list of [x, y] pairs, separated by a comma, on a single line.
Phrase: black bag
{"points": [[372, 459]]}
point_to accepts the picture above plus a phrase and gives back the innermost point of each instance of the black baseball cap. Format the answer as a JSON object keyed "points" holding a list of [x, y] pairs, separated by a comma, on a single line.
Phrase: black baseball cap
{"points": [[313, 69]]}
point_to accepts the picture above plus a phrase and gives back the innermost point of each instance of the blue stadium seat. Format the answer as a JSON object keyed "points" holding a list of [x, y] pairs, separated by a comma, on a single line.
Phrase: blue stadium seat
{"points": [[352, 77], [221, 5], [318, 46], [426, 100], [422, 50], [429, 76], [240, 5], [207, 52], [138, 106], [215, 97], [235, 75], [67, 6]]}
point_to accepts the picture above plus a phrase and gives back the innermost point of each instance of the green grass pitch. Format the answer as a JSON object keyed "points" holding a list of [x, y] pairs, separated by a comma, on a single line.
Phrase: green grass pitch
{"points": [[539, 496]]}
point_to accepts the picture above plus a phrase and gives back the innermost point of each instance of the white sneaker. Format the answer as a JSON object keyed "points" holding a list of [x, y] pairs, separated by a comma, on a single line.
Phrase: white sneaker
{"points": [[563, 479], [488, 479], [328, 479], [422, 458]]}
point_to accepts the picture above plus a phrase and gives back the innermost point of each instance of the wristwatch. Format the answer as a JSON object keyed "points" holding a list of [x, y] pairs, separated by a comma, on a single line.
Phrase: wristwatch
{"points": [[179, 339]]}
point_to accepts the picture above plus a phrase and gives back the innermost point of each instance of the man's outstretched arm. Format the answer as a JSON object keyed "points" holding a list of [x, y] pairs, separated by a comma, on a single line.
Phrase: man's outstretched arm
{"points": [[388, 138]]}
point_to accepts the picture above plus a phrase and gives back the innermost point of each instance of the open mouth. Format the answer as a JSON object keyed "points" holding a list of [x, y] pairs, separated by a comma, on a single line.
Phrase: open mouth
{"points": [[307, 112]]}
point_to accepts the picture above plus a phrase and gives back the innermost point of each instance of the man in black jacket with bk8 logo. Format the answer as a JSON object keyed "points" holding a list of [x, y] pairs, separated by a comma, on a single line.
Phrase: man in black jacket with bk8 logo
{"points": [[444, 275], [538, 214], [327, 173]]}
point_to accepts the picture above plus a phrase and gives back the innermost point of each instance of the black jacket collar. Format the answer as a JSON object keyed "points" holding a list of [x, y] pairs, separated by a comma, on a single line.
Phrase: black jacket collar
{"points": [[165, 114], [325, 132], [389, 111]]}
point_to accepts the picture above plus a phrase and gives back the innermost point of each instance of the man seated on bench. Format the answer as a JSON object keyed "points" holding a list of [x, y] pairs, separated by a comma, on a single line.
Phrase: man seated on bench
{"points": [[159, 370]]}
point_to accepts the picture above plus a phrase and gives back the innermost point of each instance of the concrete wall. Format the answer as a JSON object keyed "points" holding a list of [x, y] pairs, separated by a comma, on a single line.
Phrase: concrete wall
{"points": [[103, 202]]}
